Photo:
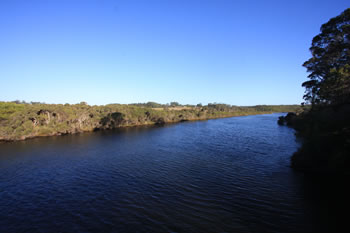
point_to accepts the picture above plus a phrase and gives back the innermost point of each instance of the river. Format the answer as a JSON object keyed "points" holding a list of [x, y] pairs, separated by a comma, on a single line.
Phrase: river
{"points": [[222, 175]]}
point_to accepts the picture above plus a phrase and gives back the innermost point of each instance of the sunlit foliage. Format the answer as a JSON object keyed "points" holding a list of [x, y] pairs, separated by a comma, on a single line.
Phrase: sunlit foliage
{"points": [[20, 120]]}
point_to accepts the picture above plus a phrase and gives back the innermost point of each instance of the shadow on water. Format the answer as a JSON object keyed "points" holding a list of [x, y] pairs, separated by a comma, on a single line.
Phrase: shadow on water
{"points": [[328, 199]]}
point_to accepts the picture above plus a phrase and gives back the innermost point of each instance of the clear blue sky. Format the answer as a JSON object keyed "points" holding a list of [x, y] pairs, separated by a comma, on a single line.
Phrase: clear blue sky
{"points": [[191, 51]]}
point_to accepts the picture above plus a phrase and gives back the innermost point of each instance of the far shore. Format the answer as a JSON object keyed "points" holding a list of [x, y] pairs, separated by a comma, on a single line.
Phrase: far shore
{"points": [[21, 121]]}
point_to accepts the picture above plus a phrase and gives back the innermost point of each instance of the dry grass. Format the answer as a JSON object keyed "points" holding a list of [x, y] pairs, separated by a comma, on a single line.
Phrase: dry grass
{"points": [[178, 108]]}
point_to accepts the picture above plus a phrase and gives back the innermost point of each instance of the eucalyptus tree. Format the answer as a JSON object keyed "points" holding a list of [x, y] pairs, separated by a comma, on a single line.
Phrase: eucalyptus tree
{"points": [[329, 66]]}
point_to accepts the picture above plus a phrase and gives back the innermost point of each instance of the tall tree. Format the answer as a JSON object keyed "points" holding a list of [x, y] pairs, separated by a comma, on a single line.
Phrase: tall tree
{"points": [[329, 66]]}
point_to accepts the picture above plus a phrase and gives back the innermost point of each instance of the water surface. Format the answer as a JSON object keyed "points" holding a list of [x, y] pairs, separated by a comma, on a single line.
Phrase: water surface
{"points": [[223, 175]]}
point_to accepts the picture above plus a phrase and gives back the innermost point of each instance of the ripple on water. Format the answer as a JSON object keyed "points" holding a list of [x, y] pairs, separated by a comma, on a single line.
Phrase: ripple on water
{"points": [[224, 175]]}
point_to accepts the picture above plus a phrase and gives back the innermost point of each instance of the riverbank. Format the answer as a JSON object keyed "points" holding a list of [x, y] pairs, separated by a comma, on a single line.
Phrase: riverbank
{"points": [[325, 134], [21, 121]]}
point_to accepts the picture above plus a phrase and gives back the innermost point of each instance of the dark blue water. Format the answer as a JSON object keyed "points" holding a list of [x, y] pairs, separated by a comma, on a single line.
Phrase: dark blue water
{"points": [[224, 175]]}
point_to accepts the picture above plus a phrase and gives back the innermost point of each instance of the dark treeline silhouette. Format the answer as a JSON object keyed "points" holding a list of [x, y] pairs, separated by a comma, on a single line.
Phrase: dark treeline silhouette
{"points": [[325, 127]]}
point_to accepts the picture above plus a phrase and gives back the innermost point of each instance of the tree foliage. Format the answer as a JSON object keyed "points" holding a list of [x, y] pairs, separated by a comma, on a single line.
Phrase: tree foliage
{"points": [[325, 129], [19, 120], [329, 66]]}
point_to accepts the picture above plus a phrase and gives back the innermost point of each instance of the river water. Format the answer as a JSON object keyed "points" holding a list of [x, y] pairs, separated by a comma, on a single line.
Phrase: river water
{"points": [[222, 175]]}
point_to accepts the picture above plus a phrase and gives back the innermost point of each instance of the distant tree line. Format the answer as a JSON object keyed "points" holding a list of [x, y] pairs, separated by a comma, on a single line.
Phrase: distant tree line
{"points": [[20, 120]]}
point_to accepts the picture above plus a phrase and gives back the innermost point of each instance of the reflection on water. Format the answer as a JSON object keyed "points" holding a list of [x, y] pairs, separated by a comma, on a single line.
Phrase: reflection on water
{"points": [[224, 175]]}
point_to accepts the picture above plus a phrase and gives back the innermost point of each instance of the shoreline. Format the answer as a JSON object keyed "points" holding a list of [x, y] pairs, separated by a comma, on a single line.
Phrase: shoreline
{"points": [[80, 131]]}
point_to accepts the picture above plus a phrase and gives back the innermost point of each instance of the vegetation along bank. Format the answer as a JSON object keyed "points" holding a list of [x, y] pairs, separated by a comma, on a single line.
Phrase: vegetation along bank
{"points": [[325, 127], [19, 121]]}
